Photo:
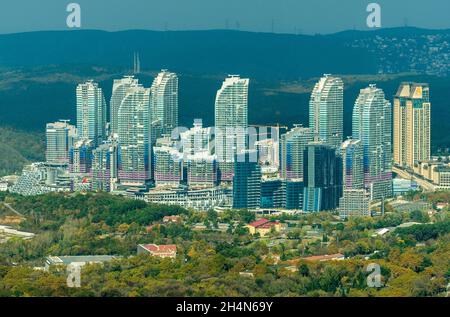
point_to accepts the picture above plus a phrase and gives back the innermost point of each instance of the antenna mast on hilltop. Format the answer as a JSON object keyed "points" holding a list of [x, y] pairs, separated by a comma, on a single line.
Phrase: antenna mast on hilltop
{"points": [[137, 64]]}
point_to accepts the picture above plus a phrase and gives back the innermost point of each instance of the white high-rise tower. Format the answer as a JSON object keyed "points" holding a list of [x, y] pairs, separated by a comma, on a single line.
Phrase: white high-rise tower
{"points": [[91, 112], [326, 109], [120, 87], [134, 137], [372, 125], [164, 101], [231, 122]]}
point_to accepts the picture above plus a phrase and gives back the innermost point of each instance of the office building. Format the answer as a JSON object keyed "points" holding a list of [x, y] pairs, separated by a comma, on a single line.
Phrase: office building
{"points": [[322, 176], [60, 137], [246, 181]]}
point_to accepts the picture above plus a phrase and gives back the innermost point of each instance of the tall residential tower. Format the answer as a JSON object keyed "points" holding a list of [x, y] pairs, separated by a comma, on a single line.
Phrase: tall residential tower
{"points": [[372, 125], [91, 112], [231, 122], [412, 135], [326, 109]]}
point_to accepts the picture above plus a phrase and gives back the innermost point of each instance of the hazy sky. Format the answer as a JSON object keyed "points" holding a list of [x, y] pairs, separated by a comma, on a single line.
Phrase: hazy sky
{"points": [[304, 16]]}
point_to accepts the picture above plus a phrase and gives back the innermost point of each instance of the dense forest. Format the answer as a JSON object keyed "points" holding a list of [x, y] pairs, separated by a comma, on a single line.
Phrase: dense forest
{"points": [[18, 148], [414, 260]]}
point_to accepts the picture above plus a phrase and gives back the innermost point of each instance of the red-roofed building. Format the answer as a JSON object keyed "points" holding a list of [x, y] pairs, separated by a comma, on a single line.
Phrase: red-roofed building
{"points": [[264, 226], [162, 251]]}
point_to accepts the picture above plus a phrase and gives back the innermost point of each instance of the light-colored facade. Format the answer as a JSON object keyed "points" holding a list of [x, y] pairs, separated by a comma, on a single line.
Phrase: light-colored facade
{"points": [[164, 101], [352, 159], [197, 139], [231, 122], [435, 171], [104, 167], [201, 170], [91, 112], [412, 128], [168, 166], [201, 199], [81, 157], [326, 108], [133, 137], [293, 145], [60, 137], [354, 203], [119, 92], [372, 125]]}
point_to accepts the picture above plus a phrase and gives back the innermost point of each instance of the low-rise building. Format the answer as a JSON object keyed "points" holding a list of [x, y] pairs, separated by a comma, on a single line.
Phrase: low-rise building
{"points": [[264, 226], [77, 260], [161, 251]]}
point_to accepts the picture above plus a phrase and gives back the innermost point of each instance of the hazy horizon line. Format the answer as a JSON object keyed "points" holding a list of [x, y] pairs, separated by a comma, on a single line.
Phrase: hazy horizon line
{"points": [[229, 30]]}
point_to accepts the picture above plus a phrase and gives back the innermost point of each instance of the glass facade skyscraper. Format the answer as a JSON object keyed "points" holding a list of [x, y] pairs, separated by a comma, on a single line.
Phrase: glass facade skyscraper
{"points": [[322, 177], [246, 181]]}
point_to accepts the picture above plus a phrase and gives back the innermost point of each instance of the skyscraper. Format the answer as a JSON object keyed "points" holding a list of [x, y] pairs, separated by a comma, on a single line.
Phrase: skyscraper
{"points": [[164, 101], [81, 157], [60, 137], [322, 177], [352, 159], [372, 125], [293, 144], [326, 109], [246, 181], [91, 112], [104, 166], [412, 113], [119, 91], [134, 137], [231, 122], [355, 200]]}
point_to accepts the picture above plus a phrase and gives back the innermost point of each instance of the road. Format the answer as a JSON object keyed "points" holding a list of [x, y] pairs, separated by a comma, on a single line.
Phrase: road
{"points": [[425, 184], [12, 209]]}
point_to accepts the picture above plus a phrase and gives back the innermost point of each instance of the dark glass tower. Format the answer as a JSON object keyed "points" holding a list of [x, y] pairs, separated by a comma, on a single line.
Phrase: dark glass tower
{"points": [[247, 181], [322, 177]]}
